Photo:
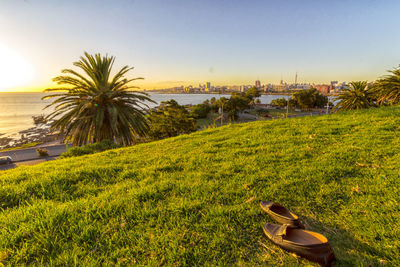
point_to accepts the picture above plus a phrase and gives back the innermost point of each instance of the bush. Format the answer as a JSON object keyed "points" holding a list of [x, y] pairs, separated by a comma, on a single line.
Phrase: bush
{"points": [[221, 102], [237, 103], [42, 152], [89, 149], [200, 111], [170, 119], [40, 119], [280, 102], [308, 99], [252, 93], [261, 111]]}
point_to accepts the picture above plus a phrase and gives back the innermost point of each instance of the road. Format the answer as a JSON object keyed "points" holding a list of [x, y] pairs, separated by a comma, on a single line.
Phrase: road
{"points": [[27, 162], [30, 153]]}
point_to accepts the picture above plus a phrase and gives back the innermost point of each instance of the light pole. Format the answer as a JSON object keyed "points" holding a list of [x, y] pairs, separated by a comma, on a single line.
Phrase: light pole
{"points": [[287, 109], [327, 107], [222, 113], [287, 106]]}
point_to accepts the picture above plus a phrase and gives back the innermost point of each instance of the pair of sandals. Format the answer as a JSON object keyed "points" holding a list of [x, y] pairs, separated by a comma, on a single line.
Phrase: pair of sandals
{"points": [[291, 235]]}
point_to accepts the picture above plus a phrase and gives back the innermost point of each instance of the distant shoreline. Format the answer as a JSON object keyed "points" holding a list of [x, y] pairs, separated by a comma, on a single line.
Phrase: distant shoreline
{"points": [[217, 93]]}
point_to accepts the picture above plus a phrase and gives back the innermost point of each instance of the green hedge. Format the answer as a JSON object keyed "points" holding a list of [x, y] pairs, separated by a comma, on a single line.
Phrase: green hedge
{"points": [[89, 149]]}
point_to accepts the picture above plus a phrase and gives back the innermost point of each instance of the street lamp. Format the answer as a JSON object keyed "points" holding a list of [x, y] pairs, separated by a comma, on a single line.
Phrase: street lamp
{"points": [[287, 109], [222, 112], [287, 106], [327, 107]]}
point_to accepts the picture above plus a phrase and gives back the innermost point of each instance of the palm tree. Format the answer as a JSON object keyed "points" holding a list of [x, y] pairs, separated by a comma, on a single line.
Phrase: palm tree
{"points": [[388, 88], [357, 96], [95, 106]]}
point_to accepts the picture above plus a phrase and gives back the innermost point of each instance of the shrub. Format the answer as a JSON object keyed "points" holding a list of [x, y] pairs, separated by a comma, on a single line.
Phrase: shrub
{"points": [[170, 119], [221, 102], [252, 93], [280, 102], [261, 111], [40, 119], [239, 102], [308, 99], [42, 152], [200, 111], [89, 149]]}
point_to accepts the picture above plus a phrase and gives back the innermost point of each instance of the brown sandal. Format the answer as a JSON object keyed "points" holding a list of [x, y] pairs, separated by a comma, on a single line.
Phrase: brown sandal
{"points": [[280, 214], [310, 245]]}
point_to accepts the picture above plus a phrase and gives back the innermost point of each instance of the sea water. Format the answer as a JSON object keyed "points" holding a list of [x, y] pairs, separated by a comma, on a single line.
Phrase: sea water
{"points": [[17, 109]]}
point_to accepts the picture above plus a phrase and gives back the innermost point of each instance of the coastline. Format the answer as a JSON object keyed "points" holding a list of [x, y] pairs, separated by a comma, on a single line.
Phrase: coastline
{"points": [[18, 109], [224, 93], [39, 134]]}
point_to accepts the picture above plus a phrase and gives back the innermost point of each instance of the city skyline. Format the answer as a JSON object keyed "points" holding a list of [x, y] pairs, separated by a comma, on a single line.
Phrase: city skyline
{"points": [[333, 87], [187, 42]]}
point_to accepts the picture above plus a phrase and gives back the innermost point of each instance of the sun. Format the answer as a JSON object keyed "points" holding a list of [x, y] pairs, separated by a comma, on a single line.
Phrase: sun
{"points": [[15, 70]]}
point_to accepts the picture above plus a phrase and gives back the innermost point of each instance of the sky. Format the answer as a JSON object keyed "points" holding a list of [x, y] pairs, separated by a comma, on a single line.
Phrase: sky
{"points": [[181, 42]]}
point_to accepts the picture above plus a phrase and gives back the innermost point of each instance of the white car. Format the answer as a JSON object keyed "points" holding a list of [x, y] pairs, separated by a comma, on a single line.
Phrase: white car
{"points": [[5, 160]]}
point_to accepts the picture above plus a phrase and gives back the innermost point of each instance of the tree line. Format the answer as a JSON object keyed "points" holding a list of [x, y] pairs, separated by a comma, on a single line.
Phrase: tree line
{"points": [[304, 100], [358, 95]]}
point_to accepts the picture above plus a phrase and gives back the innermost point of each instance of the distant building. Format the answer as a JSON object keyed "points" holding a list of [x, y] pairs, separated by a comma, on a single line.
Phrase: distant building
{"points": [[279, 87], [324, 88], [339, 87], [233, 88], [258, 84], [208, 87]]}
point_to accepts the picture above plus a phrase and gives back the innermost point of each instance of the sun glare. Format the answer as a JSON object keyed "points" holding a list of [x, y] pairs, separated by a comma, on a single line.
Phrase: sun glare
{"points": [[14, 69]]}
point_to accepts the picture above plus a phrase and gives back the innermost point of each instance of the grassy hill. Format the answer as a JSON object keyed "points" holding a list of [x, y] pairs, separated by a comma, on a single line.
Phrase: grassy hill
{"points": [[194, 199]]}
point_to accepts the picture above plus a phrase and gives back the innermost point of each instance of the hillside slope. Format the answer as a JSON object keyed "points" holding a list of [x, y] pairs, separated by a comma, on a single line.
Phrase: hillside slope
{"points": [[194, 199]]}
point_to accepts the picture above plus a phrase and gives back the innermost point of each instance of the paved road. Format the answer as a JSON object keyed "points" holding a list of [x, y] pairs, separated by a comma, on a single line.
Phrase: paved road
{"points": [[27, 162], [30, 153]]}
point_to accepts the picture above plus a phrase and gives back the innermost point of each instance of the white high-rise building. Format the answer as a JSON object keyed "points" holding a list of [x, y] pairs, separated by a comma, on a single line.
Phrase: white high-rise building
{"points": [[208, 87]]}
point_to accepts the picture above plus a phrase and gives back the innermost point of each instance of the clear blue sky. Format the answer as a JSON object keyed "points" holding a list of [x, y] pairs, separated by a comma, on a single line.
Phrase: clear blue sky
{"points": [[174, 42]]}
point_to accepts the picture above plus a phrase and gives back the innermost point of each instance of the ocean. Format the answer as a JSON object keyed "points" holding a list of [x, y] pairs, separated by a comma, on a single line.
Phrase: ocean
{"points": [[17, 109]]}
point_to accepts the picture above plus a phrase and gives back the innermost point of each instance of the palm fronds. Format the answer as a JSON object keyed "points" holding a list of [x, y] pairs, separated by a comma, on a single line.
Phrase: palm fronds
{"points": [[388, 87], [94, 106], [357, 96]]}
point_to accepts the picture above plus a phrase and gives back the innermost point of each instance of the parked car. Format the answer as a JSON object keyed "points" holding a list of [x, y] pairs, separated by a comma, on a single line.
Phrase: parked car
{"points": [[5, 160], [267, 116]]}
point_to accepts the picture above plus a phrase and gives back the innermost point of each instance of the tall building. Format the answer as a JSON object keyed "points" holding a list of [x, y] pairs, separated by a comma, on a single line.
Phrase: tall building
{"points": [[324, 88], [208, 87], [258, 84]]}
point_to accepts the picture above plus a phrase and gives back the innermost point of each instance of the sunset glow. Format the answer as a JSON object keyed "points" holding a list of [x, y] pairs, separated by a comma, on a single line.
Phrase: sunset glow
{"points": [[14, 69], [182, 43]]}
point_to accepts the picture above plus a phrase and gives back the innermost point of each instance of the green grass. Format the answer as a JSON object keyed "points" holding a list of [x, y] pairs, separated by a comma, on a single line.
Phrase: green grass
{"points": [[281, 113], [278, 113], [27, 145], [194, 199], [209, 121]]}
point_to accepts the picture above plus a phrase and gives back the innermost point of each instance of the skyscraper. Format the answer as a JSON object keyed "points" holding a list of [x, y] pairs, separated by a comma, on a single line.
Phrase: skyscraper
{"points": [[258, 84]]}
